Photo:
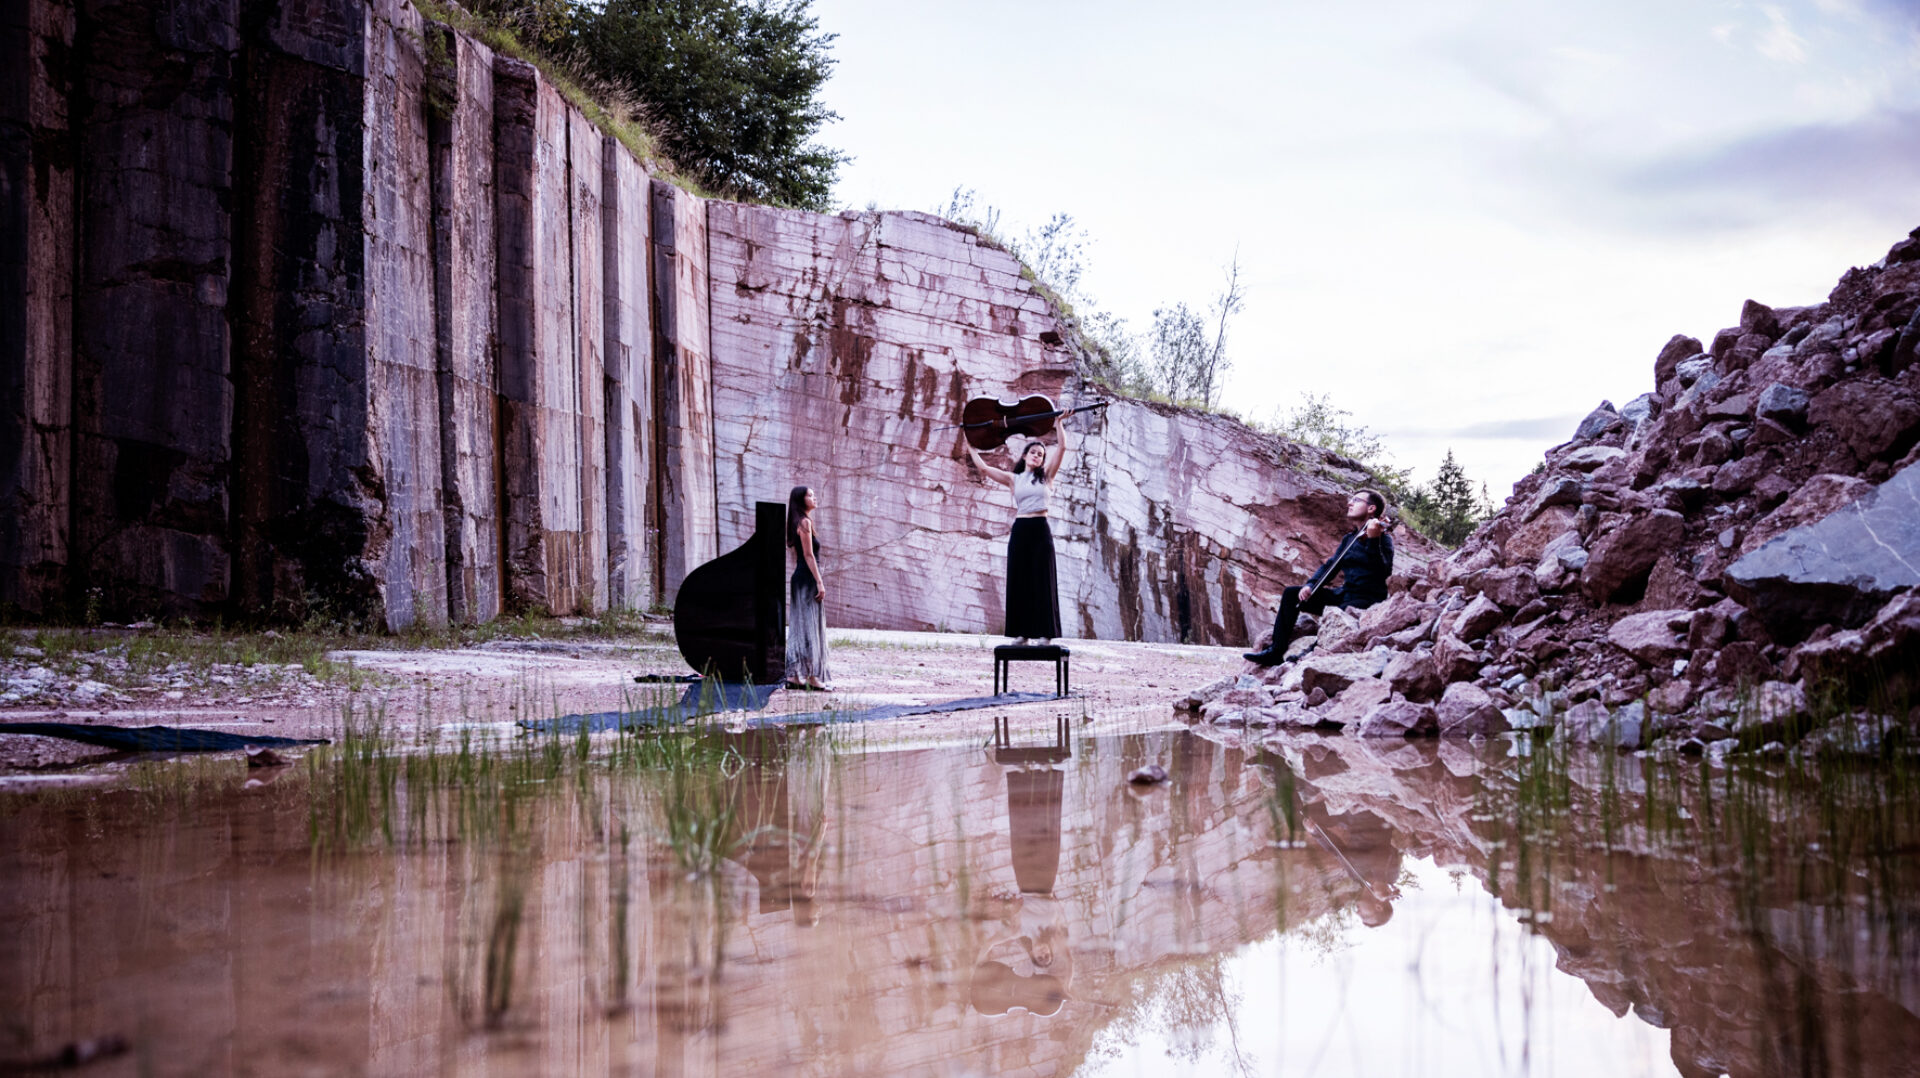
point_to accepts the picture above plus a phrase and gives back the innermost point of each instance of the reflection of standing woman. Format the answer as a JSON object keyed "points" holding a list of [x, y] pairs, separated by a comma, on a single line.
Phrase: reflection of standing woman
{"points": [[1033, 594], [806, 597]]}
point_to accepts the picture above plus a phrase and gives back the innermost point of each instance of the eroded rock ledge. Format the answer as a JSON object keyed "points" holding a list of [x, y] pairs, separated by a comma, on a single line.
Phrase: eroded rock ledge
{"points": [[1708, 566]]}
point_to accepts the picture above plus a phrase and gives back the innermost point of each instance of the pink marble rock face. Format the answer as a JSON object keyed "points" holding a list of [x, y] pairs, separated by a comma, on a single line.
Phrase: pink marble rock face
{"points": [[842, 344]]}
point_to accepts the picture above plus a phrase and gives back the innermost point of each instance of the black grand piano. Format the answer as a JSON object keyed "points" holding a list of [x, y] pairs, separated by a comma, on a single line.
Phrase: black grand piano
{"points": [[730, 618]]}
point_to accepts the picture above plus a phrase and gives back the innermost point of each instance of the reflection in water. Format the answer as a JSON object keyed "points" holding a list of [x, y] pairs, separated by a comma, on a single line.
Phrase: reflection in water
{"points": [[1363, 844], [1029, 964], [745, 903]]}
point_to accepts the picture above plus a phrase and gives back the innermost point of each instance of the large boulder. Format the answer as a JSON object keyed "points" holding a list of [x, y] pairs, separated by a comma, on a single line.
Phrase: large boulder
{"points": [[1873, 416], [1597, 422], [1398, 612], [1339, 630], [1556, 490], [1589, 458], [1355, 702], [1478, 619], [1466, 710], [1512, 587], [1561, 562], [1205, 694], [1398, 718], [1677, 350], [1883, 655], [1654, 637], [1625, 553], [1809, 503], [1412, 674], [1840, 570], [1530, 540], [1456, 660], [1737, 477], [1782, 404], [1333, 673]]}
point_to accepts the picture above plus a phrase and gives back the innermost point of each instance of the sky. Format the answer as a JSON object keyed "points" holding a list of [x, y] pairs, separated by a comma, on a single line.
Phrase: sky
{"points": [[1465, 223]]}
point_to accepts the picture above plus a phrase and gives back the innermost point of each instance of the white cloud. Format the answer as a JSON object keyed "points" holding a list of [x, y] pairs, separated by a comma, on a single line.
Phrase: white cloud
{"points": [[1454, 216], [1779, 42]]}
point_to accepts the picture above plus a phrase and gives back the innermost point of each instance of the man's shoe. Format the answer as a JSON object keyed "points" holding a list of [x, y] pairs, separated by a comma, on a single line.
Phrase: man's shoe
{"points": [[1261, 658]]}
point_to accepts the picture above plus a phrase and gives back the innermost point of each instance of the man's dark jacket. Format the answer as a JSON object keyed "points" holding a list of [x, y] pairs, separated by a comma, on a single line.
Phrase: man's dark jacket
{"points": [[1367, 564]]}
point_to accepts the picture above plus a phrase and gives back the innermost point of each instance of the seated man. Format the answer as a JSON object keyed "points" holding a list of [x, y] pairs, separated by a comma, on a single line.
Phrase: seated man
{"points": [[1365, 557]]}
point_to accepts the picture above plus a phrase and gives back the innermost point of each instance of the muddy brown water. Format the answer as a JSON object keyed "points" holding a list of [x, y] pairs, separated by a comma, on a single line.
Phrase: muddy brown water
{"points": [[1327, 906]]}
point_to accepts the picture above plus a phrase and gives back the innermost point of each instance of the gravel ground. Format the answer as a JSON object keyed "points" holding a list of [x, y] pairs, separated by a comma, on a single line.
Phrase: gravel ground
{"points": [[503, 680]]}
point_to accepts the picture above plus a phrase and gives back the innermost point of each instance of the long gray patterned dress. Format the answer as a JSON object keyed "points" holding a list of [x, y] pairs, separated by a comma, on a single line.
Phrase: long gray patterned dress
{"points": [[806, 624]]}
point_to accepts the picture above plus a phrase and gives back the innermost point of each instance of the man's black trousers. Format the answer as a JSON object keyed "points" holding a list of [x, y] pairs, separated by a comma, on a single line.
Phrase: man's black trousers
{"points": [[1291, 607]]}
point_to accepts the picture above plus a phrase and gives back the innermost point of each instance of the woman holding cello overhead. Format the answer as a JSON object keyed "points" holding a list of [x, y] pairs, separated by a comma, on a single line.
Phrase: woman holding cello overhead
{"points": [[1033, 594]]}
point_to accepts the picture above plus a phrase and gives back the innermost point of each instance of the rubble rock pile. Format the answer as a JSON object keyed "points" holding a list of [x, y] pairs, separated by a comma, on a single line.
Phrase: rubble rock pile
{"points": [[1702, 566]]}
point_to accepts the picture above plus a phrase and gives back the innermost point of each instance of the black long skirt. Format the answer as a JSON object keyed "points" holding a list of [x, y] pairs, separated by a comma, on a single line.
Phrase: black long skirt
{"points": [[1033, 594]]}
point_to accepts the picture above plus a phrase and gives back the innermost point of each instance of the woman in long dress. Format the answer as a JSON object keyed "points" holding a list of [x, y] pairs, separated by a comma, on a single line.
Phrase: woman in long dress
{"points": [[1033, 592], [806, 598]]}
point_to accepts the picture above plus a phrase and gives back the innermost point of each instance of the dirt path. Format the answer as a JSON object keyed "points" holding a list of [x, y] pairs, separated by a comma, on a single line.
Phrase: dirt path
{"points": [[505, 680]]}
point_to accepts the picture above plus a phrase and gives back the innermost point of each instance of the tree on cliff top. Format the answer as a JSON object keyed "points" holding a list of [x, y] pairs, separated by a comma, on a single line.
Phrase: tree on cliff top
{"points": [[730, 85]]}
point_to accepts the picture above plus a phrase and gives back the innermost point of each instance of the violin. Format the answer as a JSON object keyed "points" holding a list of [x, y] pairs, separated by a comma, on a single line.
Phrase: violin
{"points": [[988, 422]]}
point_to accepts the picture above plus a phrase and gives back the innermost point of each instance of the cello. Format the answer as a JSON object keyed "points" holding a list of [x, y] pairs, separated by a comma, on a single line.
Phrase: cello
{"points": [[987, 422]]}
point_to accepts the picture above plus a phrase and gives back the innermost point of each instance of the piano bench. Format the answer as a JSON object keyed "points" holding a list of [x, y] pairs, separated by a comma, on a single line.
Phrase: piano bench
{"points": [[1007, 654]]}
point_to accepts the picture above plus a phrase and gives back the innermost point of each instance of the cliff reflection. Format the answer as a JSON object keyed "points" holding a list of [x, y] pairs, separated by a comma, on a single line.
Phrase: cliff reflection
{"points": [[1027, 963], [1763, 912], [745, 903], [935, 910]]}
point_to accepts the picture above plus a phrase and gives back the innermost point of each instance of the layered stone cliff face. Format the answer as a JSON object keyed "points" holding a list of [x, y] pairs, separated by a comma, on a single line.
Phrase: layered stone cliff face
{"points": [[844, 348], [327, 309]]}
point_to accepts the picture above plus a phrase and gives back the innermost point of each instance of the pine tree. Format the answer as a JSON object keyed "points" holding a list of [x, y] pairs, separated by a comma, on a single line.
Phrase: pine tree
{"points": [[732, 86], [1451, 505]]}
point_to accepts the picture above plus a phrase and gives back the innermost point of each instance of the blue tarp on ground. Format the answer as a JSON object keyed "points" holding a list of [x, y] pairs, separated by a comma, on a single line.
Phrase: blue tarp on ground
{"points": [[151, 738], [692, 706]]}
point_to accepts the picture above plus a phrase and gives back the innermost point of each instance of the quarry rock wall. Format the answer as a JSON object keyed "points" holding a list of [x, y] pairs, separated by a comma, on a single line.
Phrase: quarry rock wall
{"points": [[325, 309], [844, 347]]}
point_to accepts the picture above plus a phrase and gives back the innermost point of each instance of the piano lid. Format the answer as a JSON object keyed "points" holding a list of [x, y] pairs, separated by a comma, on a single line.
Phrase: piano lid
{"points": [[730, 618]]}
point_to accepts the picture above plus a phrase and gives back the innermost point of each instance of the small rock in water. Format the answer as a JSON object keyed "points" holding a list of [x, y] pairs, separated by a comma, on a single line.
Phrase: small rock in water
{"points": [[264, 757], [1148, 775]]}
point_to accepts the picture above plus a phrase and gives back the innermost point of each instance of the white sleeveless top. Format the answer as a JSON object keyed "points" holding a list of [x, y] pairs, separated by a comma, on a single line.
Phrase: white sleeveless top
{"points": [[1028, 496]]}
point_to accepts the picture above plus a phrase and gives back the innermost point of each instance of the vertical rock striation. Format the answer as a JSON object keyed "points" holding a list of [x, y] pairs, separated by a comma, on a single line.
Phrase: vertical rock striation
{"points": [[402, 442], [550, 369], [684, 447], [36, 301], [306, 527], [460, 129], [154, 116], [626, 213]]}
